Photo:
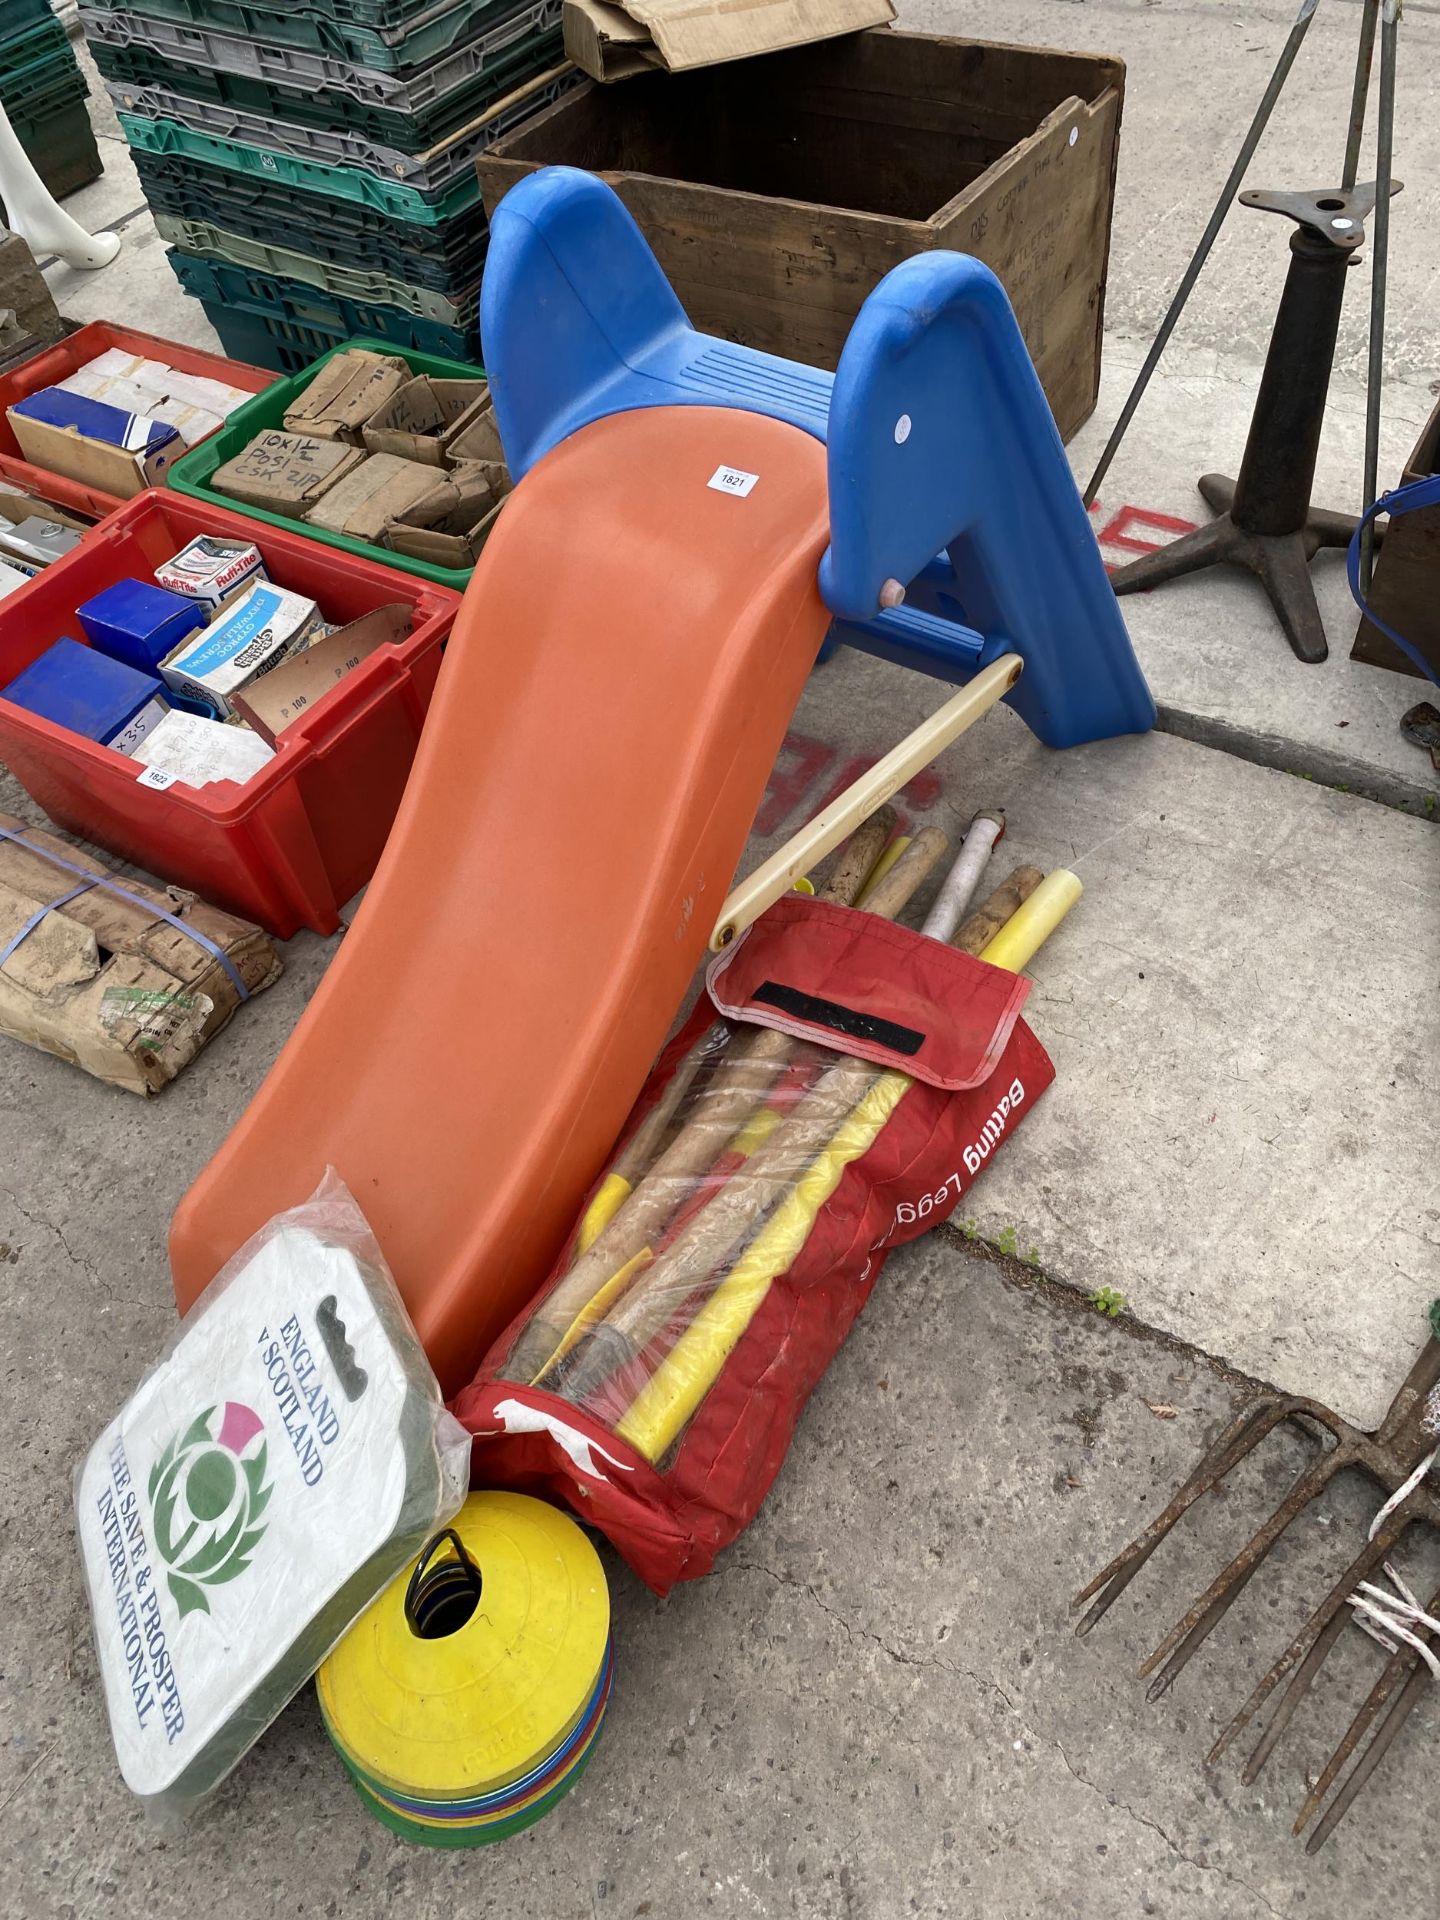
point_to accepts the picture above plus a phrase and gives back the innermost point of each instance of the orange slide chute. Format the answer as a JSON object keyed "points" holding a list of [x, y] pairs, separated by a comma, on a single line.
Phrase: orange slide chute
{"points": [[620, 678]]}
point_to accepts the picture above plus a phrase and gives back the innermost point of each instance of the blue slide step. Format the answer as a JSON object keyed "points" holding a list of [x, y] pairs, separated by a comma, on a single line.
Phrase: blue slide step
{"points": [[946, 471]]}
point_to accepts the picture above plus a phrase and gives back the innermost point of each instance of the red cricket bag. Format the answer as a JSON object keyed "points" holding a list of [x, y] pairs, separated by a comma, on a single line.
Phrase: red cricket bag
{"points": [[836, 1093]]}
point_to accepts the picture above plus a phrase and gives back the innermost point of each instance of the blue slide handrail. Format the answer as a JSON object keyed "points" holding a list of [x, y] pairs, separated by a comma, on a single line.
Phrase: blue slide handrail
{"points": [[946, 471]]}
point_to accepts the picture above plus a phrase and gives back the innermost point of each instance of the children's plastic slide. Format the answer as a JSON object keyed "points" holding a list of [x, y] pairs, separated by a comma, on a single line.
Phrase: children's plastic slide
{"points": [[690, 518]]}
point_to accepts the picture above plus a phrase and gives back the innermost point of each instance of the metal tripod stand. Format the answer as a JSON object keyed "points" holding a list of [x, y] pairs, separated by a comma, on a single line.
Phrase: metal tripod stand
{"points": [[1266, 520]]}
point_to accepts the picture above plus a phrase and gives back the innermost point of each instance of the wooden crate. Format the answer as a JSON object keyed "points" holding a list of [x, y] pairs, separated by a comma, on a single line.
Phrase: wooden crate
{"points": [[1405, 586], [777, 191]]}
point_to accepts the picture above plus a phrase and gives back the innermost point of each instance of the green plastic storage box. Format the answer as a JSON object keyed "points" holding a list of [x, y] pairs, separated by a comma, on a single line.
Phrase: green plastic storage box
{"points": [[193, 474]]}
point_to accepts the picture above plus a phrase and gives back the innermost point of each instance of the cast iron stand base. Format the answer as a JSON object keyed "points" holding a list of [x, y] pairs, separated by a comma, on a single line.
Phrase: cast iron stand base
{"points": [[1280, 561], [1266, 520]]}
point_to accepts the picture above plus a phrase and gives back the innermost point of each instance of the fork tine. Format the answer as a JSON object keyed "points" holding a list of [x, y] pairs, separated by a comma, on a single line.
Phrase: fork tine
{"points": [[1218, 1459], [1395, 1716], [1189, 1634], [1311, 1645], [1403, 1659], [1385, 1685]]}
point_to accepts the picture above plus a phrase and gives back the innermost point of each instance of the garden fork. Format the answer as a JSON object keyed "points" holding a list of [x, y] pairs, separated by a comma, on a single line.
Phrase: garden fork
{"points": [[1399, 1456]]}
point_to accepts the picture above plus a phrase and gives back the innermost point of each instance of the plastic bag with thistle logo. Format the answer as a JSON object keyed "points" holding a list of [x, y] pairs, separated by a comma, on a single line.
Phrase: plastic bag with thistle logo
{"points": [[271, 1474]]}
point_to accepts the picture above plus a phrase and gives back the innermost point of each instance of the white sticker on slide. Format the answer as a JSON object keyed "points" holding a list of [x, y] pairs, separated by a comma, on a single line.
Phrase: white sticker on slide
{"points": [[156, 777], [732, 480]]}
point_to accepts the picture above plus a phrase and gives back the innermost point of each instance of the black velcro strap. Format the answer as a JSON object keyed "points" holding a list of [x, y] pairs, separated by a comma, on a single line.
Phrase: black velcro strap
{"points": [[848, 1021]]}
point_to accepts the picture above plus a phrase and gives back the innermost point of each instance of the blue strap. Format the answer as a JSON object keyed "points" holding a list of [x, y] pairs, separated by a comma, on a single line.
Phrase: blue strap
{"points": [[1419, 493], [38, 915], [89, 880]]}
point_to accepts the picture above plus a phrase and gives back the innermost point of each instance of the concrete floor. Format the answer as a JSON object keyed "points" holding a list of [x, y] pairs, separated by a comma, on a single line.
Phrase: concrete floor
{"points": [[875, 1708]]}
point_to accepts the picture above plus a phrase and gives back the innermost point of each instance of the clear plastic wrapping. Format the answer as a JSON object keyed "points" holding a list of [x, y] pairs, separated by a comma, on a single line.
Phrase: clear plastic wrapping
{"points": [[721, 1190], [275, 1469]]}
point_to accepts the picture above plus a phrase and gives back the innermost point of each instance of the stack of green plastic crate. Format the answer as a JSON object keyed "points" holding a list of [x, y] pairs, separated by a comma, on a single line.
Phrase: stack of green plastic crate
{"points": [[44, 93], [313, 165]]}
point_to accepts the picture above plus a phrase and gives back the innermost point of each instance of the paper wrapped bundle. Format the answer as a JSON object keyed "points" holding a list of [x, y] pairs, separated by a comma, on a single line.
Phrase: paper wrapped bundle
{"points": [[126, 980]]}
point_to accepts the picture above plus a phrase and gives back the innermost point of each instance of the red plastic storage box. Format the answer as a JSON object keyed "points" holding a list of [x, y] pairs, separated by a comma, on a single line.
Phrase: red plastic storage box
{"points": [[77, 350], [56, 488], [290, 846]]}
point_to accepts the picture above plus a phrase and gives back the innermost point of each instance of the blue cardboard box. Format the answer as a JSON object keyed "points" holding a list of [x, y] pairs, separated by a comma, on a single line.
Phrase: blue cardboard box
{"points": [[90, 441], [139, 624], [91, 694]]}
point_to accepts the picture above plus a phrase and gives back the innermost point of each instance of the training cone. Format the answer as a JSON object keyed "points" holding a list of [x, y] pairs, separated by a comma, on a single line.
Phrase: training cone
{"points": [[468, 1699]]}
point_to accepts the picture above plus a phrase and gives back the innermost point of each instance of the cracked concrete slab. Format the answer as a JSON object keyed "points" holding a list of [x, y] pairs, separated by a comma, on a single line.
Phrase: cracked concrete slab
{"points": [[789, 1736], [874, 1708], [1241, 1015], [1237, 1021], [1220, 668]]}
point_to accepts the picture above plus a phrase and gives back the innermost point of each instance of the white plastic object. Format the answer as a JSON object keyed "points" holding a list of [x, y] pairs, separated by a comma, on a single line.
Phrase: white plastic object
{"points": [[40, 221], [952, 902], [271, 1474]]}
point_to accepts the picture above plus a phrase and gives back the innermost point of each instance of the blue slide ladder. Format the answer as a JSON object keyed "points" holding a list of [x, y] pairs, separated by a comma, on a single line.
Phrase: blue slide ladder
{"points": [[946, 471]]}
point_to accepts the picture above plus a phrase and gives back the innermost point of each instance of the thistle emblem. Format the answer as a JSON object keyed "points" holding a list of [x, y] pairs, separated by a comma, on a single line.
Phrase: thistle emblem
{"points": [[207, 1493]]}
